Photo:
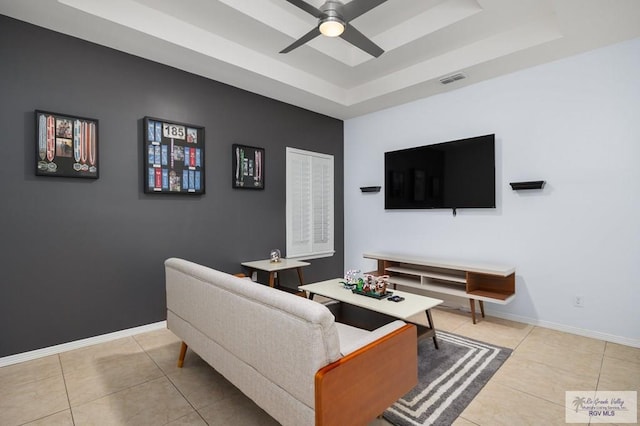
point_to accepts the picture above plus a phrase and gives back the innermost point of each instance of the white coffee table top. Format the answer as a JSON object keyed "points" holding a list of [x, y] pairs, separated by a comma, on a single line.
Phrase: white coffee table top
{"points": [[411, 305], [267, 265]]}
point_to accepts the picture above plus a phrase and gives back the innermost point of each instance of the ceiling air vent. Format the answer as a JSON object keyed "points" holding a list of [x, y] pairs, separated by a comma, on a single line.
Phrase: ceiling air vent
{"points": [[453, 77]]}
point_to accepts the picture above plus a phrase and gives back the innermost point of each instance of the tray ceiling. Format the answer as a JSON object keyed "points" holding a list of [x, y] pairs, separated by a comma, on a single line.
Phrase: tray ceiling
{"points": [[237, 42]]}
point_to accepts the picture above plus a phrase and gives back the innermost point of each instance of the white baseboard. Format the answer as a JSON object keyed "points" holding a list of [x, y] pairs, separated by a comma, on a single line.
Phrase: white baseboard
{"points": [[77, 344], [635, 343], [462, 304]]}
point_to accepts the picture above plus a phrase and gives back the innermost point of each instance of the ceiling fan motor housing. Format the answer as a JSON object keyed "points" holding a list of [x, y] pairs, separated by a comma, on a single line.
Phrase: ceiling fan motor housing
{"points": [[332, 8], [332, 12]]}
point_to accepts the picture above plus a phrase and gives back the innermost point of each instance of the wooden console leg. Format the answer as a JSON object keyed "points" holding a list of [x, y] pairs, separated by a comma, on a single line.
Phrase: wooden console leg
{"points": [[472, 303], [481, 307], [183, 352]]}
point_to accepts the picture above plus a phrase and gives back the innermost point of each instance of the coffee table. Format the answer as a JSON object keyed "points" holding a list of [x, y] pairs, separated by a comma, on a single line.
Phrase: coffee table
{"points": [[412, 304]]}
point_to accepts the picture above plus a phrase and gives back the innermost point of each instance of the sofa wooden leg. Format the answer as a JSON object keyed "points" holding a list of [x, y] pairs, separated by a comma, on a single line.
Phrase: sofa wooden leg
{"points": [[183, 352]]}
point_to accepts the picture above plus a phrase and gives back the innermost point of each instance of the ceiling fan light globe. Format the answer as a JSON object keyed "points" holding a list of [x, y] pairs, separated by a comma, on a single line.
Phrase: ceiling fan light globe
{"points": [[331, 27]]}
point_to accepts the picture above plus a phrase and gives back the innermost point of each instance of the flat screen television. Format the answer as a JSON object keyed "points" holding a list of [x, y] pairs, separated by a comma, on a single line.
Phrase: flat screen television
{"points": [[449, 175]]}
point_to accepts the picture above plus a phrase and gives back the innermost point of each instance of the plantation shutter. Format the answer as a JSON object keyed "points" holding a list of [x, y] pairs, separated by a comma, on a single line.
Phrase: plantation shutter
{"points": [[309, 204]]}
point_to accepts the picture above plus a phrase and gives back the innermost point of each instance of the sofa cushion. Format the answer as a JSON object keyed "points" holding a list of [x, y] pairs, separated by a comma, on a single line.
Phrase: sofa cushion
{"points": [[353, 338]]}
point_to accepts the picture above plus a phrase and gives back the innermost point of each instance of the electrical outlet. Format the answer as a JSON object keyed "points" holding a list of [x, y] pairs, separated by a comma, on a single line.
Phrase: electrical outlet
{"points": [[578, 302]]}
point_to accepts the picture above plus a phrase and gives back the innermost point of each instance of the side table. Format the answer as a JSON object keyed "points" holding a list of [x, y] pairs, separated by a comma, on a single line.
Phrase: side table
{"points": [[274, 267]]}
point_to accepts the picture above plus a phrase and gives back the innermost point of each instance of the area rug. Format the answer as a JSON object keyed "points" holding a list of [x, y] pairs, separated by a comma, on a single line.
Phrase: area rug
{"points": [[448, 379]]}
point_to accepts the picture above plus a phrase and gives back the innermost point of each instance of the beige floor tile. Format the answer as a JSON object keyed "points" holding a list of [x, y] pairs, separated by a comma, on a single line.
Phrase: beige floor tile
{"points": [[100, 370], [619, 375], [561, 340], [626, 353], [449, 319], [236, 410], [460, 421], [541, 380], [200, 384], [380, 421], [156, 339], [59, 419], [496, 331], [192, 419], [90, 354], [30, 371], [564, 357], [33, 400], [153, 403], [497, 404], [163, 347]]}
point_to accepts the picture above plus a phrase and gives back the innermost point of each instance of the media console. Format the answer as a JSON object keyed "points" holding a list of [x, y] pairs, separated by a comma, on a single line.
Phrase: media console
{"points": [[484, 283]]}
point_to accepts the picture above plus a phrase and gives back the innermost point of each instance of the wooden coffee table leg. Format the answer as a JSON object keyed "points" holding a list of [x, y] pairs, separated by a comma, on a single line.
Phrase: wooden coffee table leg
{"points": [[481, 307], [272, 278]]}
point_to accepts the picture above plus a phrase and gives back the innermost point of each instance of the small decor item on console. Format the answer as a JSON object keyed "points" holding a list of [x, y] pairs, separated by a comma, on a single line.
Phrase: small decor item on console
{"points": [[274, 256]]}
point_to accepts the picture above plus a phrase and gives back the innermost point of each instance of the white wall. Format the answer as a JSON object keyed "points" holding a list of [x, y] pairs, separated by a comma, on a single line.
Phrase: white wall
{"points": [[574, 123]]}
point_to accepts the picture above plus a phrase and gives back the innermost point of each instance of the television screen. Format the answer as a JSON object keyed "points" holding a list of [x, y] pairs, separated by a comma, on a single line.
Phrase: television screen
{"points": [[449, 175]]}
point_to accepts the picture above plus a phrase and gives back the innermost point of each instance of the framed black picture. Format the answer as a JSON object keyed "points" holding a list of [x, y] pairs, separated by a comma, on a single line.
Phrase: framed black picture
{"points": [[173, 157], [66, 145], [247, 167]]}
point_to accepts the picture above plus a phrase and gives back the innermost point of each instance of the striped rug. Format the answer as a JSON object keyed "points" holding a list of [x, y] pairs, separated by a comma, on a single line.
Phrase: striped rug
{"points": [[448, 379]]}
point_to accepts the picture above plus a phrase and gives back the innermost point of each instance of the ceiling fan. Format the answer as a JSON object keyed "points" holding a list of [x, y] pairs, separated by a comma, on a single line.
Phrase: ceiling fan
{"points": [[333, 21]]}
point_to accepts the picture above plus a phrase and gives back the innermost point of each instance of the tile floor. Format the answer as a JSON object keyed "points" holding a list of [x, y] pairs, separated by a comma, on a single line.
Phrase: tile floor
{"points": [[135, 381]]}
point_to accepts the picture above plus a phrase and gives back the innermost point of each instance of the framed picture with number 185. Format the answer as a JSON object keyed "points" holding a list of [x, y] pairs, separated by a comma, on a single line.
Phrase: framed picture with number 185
{"points": [[173, 157]]}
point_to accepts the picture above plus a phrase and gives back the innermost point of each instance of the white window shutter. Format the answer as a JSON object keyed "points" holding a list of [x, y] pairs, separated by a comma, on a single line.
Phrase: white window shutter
{"points": [[309, 204]]}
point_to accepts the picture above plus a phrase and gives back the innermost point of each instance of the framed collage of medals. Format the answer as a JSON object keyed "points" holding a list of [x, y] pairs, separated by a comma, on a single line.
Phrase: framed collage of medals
{"points": [[66, 145], [247, 167], [174, 157]]}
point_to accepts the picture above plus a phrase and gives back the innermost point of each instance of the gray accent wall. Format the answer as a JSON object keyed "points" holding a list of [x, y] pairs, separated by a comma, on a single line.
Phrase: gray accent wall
{"points": [[82, 257]]}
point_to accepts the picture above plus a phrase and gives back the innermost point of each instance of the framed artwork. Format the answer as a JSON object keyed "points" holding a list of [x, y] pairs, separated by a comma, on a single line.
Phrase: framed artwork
{"points": [[66, 145], [247, 167], [173, 157]]}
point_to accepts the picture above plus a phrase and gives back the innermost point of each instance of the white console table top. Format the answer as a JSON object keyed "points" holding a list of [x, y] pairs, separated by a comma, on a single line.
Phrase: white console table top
{"points": [[481, 268]]}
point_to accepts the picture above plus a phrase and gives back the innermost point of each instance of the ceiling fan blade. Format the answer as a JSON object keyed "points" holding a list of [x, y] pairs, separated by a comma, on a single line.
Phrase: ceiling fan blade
{"points": [[302, 40], [360, 41], [306, 7], [355, 8]]}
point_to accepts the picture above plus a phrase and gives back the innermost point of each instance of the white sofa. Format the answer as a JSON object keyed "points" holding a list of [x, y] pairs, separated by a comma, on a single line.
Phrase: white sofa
{"points": [[286, 352]]}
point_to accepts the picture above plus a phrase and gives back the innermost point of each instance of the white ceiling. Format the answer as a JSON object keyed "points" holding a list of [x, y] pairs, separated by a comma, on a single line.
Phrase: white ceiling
{"points": [[237, 42]]}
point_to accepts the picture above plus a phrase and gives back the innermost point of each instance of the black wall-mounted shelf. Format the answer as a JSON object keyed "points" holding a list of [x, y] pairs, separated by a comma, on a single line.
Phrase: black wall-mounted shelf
{"points": [[370, 188], [534, 184]]}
